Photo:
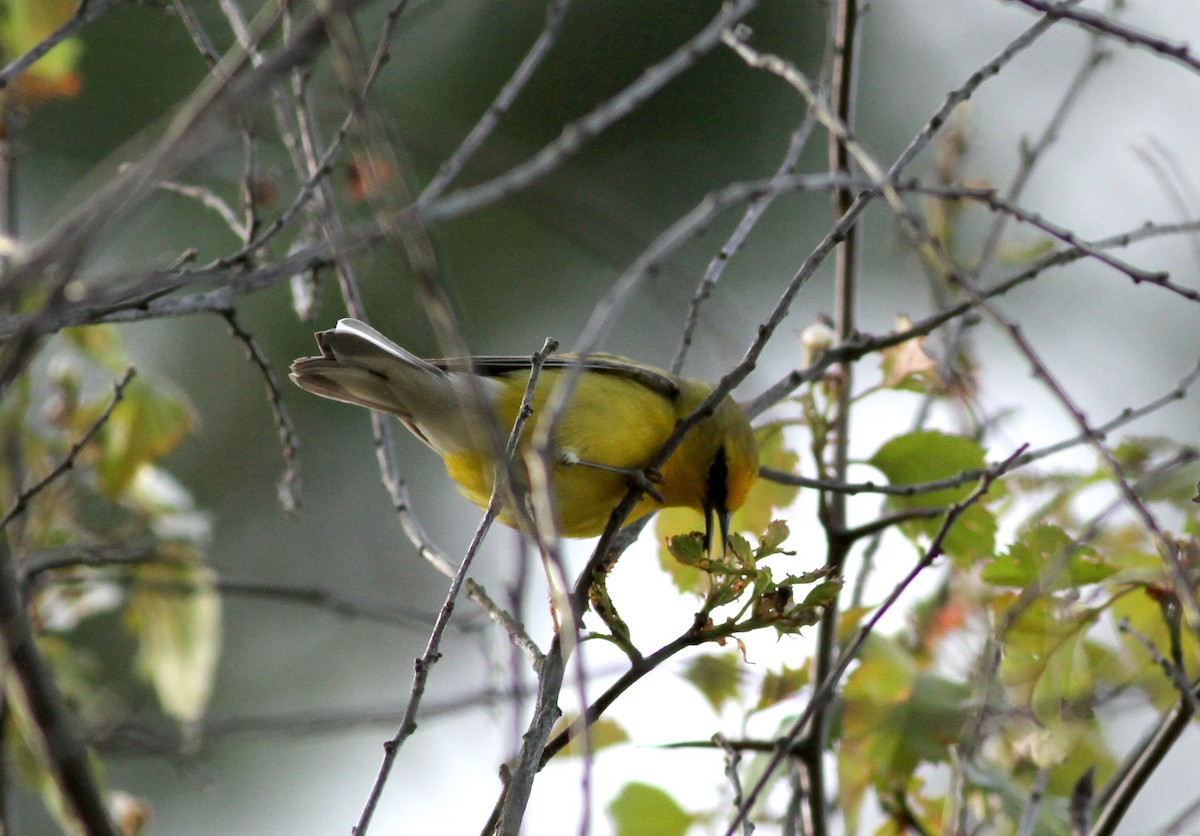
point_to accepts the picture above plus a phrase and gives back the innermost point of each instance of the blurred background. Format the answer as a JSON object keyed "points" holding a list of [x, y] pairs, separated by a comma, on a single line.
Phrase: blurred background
{"points": [[305, 696]]}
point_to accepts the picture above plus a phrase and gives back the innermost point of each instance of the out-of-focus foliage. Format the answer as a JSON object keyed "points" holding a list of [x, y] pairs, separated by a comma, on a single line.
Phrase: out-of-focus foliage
{"points": [[26, 23], [116, 535]]}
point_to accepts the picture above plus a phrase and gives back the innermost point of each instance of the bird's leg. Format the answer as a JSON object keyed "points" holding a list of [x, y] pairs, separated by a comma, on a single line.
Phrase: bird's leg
{"points": [[646, 479]]}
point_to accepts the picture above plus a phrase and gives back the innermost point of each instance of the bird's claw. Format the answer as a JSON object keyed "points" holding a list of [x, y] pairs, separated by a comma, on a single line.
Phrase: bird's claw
{"points": [[644, 479]]}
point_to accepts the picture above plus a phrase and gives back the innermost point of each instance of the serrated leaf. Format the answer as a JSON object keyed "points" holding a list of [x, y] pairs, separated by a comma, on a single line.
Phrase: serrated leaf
{"points": [[1045, 666], [777, 686], [174, 614], [669, 524], [777, 532], [1044, 555], [717, 677], [644, 810], [931, 455], [823, 593]]}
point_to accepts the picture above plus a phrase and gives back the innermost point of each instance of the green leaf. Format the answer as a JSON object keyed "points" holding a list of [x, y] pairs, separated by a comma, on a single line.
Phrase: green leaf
{"points": [[174, 613], [777, 532], [25, 24], [823, 593], [601, 735], [670, 524], [895, 717], [777, 686], [927, 456], [146, 425], [1046, 556], [1045, 666], [1142, 610], [716, 677], [767, 497], [101, 344], [645, 810]]}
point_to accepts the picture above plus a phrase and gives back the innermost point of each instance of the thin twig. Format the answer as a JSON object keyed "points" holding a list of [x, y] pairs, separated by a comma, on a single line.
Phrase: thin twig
{"points": [[824, 689], [749, 219], [68, 461], [577, 133], [289, 441], [88, 11], [431, 655], [453, 165], [1097, 22], [66, 758], [499, 616]]}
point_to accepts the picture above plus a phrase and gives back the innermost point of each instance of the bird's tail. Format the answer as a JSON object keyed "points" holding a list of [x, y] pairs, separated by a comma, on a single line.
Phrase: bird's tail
{"points": [[359, 365]]}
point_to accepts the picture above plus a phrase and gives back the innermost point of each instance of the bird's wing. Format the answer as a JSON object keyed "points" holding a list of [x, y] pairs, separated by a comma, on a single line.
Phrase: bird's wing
{"points": [[497, 365]]}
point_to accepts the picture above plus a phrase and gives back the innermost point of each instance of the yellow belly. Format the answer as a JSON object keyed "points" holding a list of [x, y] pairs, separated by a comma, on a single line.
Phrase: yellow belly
{"points": [[610, 421]]}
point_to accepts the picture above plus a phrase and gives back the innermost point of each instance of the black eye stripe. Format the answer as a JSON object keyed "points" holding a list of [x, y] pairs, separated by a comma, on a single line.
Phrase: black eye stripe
{"points": [[716, 489]]}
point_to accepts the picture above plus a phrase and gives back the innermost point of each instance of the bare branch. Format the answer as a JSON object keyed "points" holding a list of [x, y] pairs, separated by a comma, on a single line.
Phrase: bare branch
{"points": [[289, 482], [64, 754], [68, 461], [1097, 22], [575, 134], [825, 688]]}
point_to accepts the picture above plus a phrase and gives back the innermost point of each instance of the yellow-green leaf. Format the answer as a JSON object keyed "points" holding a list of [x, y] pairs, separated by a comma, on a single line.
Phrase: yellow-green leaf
{"points": [[1046, 556], [24, 25], [895, 717], [1045, 666], [645, 810], [146, 425], [930, 455], [101, 344], [671, 523], [174, 613], [779, 685], [716, 676], [767, 497], [601, 734]]}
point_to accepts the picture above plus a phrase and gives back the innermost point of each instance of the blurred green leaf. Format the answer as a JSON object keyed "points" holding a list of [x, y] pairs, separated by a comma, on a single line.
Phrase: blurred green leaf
{"points": [[1142, 611], [767, 497], [777, 686], [645, 810], [146, 425], [895, 716], [601, 735], [1046, 557], [101, 344], [174, 613], [1045, 666], [717, 677], [26, 23], [931, 455]]}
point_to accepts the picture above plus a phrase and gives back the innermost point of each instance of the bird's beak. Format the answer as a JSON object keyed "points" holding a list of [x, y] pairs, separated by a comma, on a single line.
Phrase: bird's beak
{"points": [[722, 516]]}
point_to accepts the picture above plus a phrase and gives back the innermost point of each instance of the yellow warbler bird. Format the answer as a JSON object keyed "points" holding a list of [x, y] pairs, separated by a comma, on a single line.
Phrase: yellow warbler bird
{"points": [[620, 414]]}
